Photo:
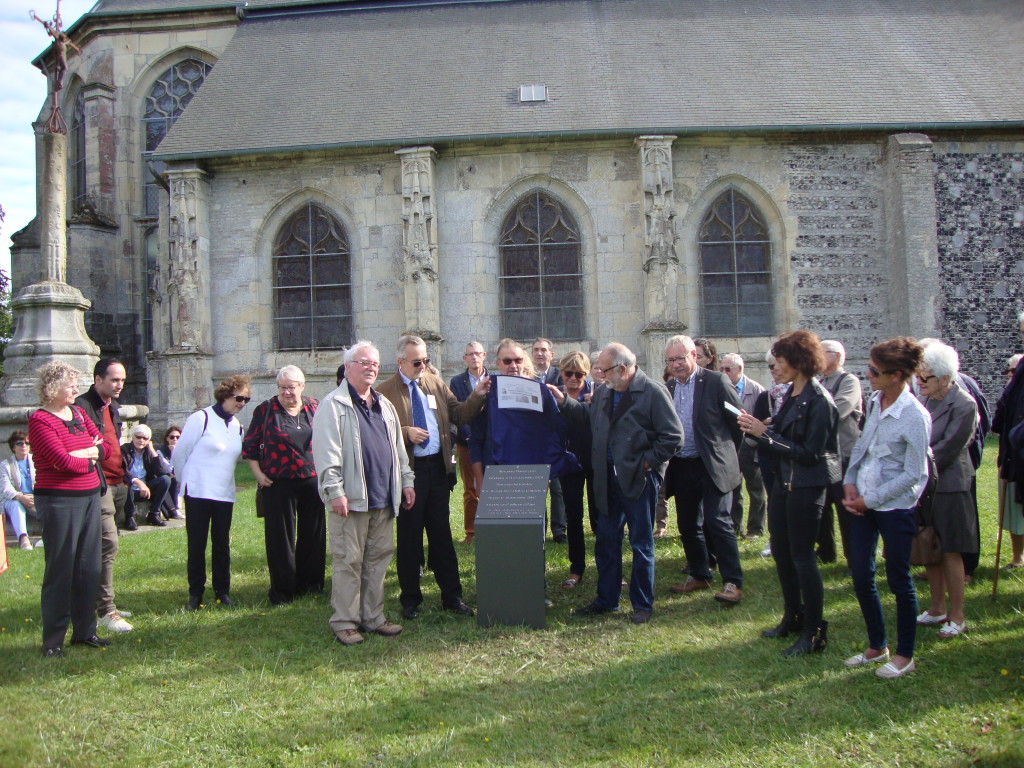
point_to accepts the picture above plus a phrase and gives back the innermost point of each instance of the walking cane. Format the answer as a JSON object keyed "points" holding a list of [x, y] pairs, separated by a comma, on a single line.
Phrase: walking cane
{"points": [[999, 537]]}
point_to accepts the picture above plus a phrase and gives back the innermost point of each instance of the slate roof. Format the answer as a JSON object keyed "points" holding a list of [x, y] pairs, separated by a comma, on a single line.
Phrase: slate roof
{"points": [[440, 73]]}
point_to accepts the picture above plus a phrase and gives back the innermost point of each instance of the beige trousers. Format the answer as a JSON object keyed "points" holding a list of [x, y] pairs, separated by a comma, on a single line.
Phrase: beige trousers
{"points": [[361, 549], [111, 503]]}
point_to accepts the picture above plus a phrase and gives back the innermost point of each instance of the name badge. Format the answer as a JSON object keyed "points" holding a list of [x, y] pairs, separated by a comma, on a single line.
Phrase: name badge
{"points": [[432, 402]]}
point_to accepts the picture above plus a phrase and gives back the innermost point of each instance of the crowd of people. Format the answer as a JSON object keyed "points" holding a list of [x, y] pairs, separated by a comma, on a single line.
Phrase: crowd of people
{"points": [[811, 449]]}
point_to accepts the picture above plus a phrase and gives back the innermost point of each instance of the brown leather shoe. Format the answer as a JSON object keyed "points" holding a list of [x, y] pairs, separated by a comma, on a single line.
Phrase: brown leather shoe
{"points": [[691, 585], [660, 532], [730, 594], [348, 637], [388, 629]]}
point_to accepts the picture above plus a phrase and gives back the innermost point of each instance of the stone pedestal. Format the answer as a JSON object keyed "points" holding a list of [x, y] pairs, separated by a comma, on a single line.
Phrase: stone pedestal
{"points": [[180, 382]]}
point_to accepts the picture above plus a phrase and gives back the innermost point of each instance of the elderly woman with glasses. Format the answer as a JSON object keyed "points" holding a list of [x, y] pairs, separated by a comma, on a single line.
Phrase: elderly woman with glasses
{"points": [[887, 473], [66, 449], [17, 475], [279, 449], [147, 473], [954, 416], [574, 368], [204, 463]]}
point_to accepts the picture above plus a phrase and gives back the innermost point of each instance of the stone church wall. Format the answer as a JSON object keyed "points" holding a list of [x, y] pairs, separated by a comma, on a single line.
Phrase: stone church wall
{"points": [[980, 196]]}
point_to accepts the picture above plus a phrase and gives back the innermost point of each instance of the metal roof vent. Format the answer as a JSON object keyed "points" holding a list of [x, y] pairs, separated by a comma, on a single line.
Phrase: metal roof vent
{"points": [[533, 93]]}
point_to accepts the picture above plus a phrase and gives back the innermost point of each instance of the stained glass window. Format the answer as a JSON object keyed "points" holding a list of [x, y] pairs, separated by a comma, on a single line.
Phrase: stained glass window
{"points": [[540, 275]]}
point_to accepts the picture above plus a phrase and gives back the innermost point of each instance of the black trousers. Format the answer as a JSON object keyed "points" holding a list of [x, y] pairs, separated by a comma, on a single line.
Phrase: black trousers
{"points": [[295, 531], [71, 547], [704, 516], [206, 517], [573, 486], [793, 518], [429, 514]]}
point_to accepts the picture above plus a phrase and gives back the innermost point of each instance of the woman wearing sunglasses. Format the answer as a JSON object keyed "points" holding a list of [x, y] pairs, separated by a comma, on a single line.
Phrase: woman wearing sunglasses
{"points": [[171, 509], [204, 463], [888, 471], [574, 368]]}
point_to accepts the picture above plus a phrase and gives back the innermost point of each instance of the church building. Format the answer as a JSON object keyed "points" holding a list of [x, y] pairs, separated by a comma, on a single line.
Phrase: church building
{"points": [[255, 184]]}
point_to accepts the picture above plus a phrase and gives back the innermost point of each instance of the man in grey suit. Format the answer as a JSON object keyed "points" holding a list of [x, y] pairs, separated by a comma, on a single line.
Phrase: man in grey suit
{"points": [[635, 431], [705, 470], [748, 390]]}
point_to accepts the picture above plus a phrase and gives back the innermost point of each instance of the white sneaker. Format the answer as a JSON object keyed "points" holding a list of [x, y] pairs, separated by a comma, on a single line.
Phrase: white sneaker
{"points": [[39, 544], [767, 551], [115, 622]]}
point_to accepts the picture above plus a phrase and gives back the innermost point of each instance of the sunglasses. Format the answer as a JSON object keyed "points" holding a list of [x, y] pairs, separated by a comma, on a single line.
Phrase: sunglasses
{"points": [[510, 360], [241, 398], [573, 374], [727, 368], [419, 363], [925, 379], [172, 437], [874, 372]]}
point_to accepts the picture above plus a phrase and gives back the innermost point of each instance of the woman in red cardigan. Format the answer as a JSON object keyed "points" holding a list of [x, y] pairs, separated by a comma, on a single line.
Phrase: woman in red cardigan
{"points": [[66, 448]]}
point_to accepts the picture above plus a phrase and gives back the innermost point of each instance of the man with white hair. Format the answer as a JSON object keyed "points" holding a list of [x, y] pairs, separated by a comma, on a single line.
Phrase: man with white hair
{"points": [[635, 431], [147, 474], [748, 390], [364, 476], [846, 392]]}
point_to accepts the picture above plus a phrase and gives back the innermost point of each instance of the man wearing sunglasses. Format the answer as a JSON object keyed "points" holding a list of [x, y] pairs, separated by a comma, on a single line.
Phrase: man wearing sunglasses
{"points": [[426, 407]]}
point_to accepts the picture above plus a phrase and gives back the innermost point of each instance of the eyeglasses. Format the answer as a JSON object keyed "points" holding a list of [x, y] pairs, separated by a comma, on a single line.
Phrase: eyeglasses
{"points": [[292, 388], [573, 375], [510, 360], [926, 379], [874, 372], [242, 398], [474, 354], [140, 437], [604, 371], [771, 366], [21, 442], [727, 368], [368, 363], [674, 360], [419, 363]]}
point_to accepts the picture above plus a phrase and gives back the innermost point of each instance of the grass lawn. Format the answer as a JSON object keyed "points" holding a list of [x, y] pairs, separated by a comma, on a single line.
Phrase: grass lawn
{"points": [[262, 686]]}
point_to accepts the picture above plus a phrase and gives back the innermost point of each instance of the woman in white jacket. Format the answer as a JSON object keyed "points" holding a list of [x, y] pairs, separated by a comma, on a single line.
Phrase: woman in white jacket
{"points": [[17, 475], [204, 463]]}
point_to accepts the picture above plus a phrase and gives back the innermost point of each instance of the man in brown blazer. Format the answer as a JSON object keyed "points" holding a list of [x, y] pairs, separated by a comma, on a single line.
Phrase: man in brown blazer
{"points": [[426, 407]]}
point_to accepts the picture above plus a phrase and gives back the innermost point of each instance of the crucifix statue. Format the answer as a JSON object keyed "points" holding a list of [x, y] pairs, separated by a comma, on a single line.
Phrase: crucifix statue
{"points": [[61, 42]]}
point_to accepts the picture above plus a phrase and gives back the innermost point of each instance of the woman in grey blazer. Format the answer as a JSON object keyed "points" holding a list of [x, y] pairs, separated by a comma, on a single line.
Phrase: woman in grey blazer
{"points": [[954, 419]]}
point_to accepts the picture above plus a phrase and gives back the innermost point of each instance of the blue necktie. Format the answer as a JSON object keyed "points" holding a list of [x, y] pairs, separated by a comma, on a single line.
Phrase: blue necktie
{"points": [[419, 416]]}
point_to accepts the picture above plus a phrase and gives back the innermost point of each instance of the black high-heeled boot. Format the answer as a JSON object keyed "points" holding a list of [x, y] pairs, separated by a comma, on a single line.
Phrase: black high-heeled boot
{"points": [[812, 640], [791, 622]]}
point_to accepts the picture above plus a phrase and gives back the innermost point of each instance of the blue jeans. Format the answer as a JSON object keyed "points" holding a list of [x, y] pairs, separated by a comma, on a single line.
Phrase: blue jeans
{"points": [[897, 528], [638, 514]]}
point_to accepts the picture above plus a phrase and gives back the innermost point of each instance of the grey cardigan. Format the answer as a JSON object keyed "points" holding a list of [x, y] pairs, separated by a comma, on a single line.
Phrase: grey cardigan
{"points": [[954, 420]]}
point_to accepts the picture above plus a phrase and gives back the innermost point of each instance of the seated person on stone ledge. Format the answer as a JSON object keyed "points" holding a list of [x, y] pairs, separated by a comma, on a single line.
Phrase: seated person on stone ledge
{"points": [[147, 473], [17, 476], [171, 508]]}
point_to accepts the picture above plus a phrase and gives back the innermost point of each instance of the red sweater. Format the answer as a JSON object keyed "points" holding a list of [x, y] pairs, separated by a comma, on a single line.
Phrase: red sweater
{"points": [[52, 439]]}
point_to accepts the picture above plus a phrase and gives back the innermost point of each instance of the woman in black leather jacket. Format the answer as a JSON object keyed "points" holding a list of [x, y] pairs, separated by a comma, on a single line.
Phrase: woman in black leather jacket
{"points": [[804, 437]]}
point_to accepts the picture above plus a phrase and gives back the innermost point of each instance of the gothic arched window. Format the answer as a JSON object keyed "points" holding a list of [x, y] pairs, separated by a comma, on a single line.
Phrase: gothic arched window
{"points": [[312, 282], [166, 100], [76, 154], [735, 269], [541, 275]]}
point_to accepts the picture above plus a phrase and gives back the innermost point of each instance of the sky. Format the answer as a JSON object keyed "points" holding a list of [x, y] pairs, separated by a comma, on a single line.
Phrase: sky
{"points": [[22, 93]]}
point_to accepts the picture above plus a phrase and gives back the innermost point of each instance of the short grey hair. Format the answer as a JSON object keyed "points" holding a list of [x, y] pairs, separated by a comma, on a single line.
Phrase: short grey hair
{"points": [[680, 338], [620, 354], [350, 353], [831, 345], [1013, 361], [732, 357], [1020, 318], [291, 373], [941, 359], [405, 340], [53, 376], [142, 429]]}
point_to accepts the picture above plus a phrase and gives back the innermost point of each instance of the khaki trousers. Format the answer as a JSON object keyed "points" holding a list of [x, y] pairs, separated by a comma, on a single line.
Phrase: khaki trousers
{"points": [[361, 549], [111, 503], [470, 499]]}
